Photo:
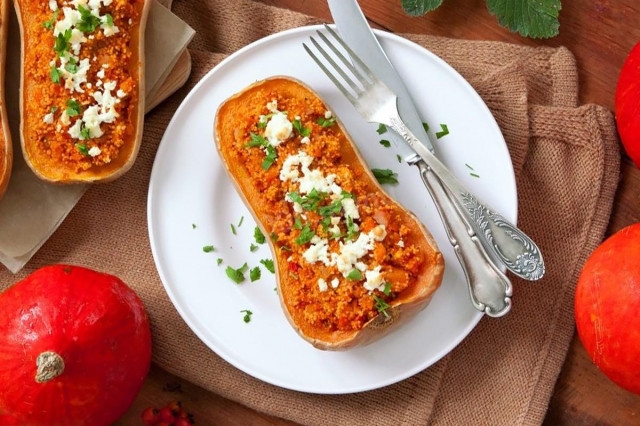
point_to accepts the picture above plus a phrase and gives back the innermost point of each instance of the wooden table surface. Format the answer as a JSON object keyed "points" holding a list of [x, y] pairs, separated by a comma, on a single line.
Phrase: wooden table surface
{"points": [[600, 33]]}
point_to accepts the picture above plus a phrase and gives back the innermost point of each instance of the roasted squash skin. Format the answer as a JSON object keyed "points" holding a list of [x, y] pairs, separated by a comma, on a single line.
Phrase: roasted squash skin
{"points": [[6, 148], [113, 61], [349, 314]]}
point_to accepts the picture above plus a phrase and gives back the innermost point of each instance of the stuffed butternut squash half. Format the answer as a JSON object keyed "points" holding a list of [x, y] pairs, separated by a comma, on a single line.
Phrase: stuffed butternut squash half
{"points": [[352, 264], [82, 87], [6, 149]]}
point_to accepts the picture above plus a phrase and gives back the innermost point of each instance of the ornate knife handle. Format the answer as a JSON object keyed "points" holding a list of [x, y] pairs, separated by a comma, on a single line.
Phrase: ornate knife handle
{"points": [[505, 243]]}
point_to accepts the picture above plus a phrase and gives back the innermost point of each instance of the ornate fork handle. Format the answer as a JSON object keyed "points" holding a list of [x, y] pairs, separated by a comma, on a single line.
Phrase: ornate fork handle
{"points": [[505, 243]]}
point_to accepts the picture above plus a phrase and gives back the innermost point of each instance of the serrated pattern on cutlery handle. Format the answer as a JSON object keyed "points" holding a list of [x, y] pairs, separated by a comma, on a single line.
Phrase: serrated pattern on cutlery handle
{"points": [[523, 257]]}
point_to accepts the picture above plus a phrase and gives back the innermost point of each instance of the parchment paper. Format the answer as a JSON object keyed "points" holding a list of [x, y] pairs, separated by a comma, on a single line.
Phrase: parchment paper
{"points": [[31, 210]]}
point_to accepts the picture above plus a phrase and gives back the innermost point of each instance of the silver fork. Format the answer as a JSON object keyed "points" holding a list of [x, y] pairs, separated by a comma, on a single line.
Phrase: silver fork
{"points": [[462, 213]]}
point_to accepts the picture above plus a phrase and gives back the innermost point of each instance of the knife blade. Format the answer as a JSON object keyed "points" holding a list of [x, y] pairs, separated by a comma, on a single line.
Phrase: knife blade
{"points": [[357, 33]]}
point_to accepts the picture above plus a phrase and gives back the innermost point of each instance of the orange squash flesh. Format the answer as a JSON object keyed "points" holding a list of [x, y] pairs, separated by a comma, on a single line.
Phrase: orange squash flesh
{"points": [[49, 146], [6, 149], [349, 314]]}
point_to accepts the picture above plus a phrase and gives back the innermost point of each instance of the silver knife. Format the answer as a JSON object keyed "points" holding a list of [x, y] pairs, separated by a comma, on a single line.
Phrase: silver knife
{"points": [[505, 244]]}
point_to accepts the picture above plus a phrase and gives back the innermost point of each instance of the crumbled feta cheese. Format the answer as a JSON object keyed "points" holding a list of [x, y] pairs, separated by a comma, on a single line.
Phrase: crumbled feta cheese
{"points": [[278, 129], [361, 266], [328, 114], [89, 85], [335, 220], [58, 128], [297, 117], [315, 179], [99, 83], [105, 66], [297, 208], [350, 209], [109, 30], [110, 85], [77, 38], [401, 243], [94, 151], [378, 233], [71, 18], [273, 106], [74, 131], [100, 74], [373, 278], [53, 5], [48, 118], [335, 283], [289, 169], [305, 140], [317, 251], [72, 81], [64, 118], [322, 285]]}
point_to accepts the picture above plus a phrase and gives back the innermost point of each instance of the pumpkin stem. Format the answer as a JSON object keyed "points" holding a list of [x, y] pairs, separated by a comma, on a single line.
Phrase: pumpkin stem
{"points": [[50, 365]]}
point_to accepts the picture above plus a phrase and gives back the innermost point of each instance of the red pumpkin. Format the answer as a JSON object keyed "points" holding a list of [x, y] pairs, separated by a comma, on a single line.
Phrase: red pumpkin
{"points": [[607, 307], [75, 347], [628, 104]]}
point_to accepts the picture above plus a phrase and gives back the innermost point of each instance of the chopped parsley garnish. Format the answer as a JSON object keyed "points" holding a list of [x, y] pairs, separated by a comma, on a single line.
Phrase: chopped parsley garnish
{"points": [[193, 226], [207, 249], [310, 201], [236, 275], [253, 247], [55, 74], [469, 167], [88, 21], [85, 132], [302, 131], [108, 20], [335, 207], [262, 124], [54, 109], [71, 66], [387, 288], [273, 235], [326, 122], [259, 236], [297, 224], [381, 306], [254, 274], [49, 24], [385, 175], [270, 158], [247, 315], [325, 222], [73, 108], [399, 158], [268, 263], [219, 261], [426, 126], [305, 235], [354, 275], [444, 132], [241, 220], [61, 44], [256, 140], [475, 175], [285, 248], [382, 129], [385, 143], [233, 229], [352, 229], [82, 148]]}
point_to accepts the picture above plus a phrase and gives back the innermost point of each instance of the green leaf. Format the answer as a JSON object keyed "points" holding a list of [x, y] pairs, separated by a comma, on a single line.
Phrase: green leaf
{"points": [[305, 235], [108, 20], [381, 306], [354, 275], [399, 158], [247, 315], [381, 129], [55, 74], [241, 220], [193, 226], [49, 24], [385, 175], [297, 224], [426, 126], [71, 66], [88, 21], [218, 261], [268, 263], [420, 7], [233, 229], [73, 108], [207, 249], [54, 109], [253, 247], [61, 44], [254, 274], [444, 132], [385, 143], [303, 131], [326, 122], [529, 18], [84, 132], [387, 288], [256, 140], [82, 148], [351, 228], [259, 236], [273, 235], [236, 275], [270, 158]]}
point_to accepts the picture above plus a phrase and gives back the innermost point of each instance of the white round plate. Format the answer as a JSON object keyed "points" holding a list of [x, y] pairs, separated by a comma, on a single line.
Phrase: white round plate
{"points": [[189, 186]]}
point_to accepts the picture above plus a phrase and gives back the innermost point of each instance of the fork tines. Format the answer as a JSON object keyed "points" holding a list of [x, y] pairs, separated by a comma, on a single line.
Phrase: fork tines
{"points": [[365, 82]]}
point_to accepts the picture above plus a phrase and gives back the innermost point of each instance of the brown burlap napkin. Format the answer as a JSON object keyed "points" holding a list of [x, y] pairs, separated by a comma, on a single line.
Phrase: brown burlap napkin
{"points": [[566, 161]]}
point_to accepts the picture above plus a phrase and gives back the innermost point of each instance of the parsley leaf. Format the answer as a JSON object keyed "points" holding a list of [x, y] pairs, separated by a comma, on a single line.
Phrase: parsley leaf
{"points": [[305, 235], [273, 235], [387, 288], [270, 158], [256, 140], [259, 236], [61, 44], [310, 201], [108, 20], [254, 274], [303, 131], [475, 175], [82, 148], [54, 109], [253, 247], [207, 249], [247, 315], [218, 261], [88, 21], [352, 229], [49, 24], [71, 66], [420, 7], [297, 224], [85, 132], [385, 175], [236, 275], [241, 220], [268, 263], [73, 108], [193, 226], [530, 18], [385, 143], [381, 129], [55, 74], [233, 229], [326, 122], [426, 126], [381, 306], [399, 158], [444, 132], [354, 275]]}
